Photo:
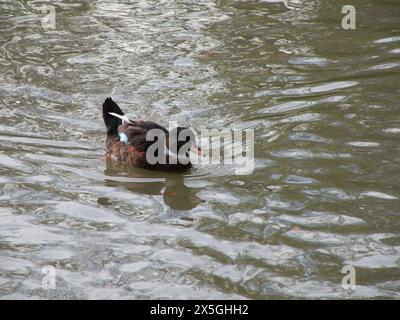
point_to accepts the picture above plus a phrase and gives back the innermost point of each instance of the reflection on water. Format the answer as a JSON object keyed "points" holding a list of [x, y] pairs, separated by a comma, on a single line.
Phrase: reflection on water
{"points": [[323, 103], [171, 186]]}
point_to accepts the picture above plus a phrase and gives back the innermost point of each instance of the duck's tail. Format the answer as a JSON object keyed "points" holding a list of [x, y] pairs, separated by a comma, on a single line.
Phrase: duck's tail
{"points": [[111, 121]]}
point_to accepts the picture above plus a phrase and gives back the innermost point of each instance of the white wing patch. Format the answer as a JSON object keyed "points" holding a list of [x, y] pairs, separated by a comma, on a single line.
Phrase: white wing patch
{"points": [[123, 137]]}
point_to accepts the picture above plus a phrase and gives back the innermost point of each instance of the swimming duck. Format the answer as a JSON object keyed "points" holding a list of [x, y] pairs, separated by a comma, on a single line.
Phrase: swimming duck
{"points": [[146, 144]]}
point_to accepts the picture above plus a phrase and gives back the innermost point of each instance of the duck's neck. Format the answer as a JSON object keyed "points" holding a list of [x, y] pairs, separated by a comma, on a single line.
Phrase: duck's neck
{"points": [[110, 140]]}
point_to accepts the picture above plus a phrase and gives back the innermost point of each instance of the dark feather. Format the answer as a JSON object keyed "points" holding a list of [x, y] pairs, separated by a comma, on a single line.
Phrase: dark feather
{"points": [[110, 121]]}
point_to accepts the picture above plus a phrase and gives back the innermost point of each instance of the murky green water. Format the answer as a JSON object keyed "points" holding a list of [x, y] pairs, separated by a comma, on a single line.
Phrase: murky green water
{"points": [[324, 103]]}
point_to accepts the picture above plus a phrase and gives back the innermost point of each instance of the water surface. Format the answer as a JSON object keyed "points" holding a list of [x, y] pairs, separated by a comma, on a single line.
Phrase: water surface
{"points": [[324, 104]]}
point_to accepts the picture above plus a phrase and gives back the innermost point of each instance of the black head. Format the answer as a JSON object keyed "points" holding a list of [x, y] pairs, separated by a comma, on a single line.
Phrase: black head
{"points": [[182, 140]]}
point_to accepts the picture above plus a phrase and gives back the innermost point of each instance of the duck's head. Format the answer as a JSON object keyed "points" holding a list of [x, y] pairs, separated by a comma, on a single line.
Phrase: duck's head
{"points": [[181, 141]]}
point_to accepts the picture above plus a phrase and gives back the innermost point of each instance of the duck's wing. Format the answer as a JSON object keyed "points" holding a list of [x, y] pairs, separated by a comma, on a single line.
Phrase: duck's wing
{"points": [[136, 131], [148, 125]]}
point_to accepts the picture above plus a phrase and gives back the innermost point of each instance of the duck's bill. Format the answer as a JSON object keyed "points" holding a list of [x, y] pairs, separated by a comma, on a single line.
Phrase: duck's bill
{"points": [[196, 149]]}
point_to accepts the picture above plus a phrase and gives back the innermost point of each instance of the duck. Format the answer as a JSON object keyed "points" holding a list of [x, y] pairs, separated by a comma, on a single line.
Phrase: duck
{"points": [[146, 144]]}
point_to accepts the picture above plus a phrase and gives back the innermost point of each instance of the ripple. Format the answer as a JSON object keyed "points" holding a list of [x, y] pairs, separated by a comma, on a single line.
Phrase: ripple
{"points": [[314, 219], [385, 66], [388, 40], [298, 105], [34, 91], [20, 231], [392, 130], [363, 144], [241, 217], [308, 154], [309, 61], [377, 261], [86, 212], [316, 237], [320, 88], [19, 266], [378, 195], [9, 162], [44, 142]]}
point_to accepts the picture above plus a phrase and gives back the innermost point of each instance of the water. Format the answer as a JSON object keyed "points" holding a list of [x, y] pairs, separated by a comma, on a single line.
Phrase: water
{"points": [[324, 104]]}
